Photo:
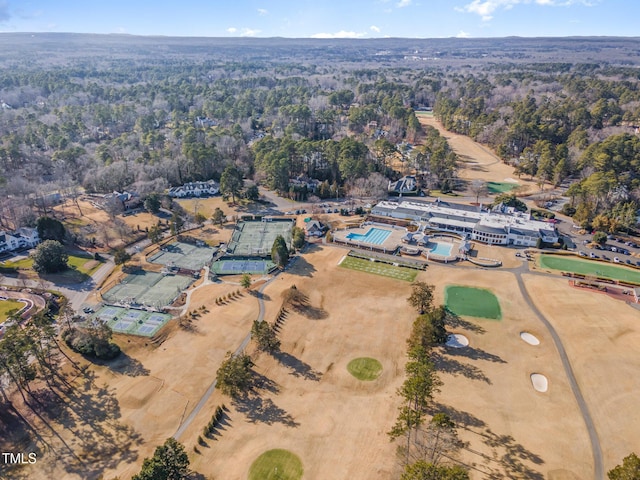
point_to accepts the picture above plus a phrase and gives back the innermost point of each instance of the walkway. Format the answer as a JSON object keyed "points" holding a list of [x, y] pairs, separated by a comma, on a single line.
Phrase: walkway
{"points": [[207, 394]]}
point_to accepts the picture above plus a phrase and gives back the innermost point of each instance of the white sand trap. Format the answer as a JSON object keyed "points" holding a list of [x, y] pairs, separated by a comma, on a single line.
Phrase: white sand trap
{"points": [[457, 340], [530, 339], [539, 382], [511, 180]]}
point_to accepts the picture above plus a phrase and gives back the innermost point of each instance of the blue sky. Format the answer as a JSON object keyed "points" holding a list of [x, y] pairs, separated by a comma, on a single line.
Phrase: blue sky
{"points": [[325, 18]]}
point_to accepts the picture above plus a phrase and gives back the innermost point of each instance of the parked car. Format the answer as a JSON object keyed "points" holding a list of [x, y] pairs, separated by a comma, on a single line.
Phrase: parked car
{"points": [[616, 259], [628, 262], [582, 254], [593, 255]]}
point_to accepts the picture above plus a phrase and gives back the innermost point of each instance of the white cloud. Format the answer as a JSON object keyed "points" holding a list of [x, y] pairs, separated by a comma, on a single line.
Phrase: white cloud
{"points": [[374, 28], [340, 34], [248, 32], [232, 29], [462, 34], [486, 8], [262, 12], [403, 3]]}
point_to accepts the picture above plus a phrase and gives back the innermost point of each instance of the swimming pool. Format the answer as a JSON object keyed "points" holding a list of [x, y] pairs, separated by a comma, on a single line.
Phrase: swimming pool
{"points": [[442, 249], [376, 236]]}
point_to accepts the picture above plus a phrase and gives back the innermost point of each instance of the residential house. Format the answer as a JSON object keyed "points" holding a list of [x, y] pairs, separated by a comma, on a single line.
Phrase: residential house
{"points": [[314, 228], [195, 189], [405, 186], [124, 200]]}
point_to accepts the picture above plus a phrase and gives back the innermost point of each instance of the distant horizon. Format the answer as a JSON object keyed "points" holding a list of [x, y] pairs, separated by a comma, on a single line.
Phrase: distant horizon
{"points": [[116, 34], [356, 19]]}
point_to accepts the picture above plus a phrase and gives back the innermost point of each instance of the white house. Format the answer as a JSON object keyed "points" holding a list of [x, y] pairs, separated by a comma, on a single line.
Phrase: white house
{"points": [[406, 185], [499, 228], [8, 242], [314, 228], [27, 237], [195, 189]]}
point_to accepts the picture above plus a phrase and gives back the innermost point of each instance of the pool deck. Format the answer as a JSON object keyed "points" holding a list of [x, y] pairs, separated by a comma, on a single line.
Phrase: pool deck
{"points": [[391, 242]]}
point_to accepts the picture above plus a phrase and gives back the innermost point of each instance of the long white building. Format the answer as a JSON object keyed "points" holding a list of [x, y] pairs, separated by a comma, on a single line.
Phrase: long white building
{"points": [[504, 227]]}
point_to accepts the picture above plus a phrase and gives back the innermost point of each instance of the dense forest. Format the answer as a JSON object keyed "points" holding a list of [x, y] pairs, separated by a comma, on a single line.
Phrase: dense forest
{"points": [[97, 114]]}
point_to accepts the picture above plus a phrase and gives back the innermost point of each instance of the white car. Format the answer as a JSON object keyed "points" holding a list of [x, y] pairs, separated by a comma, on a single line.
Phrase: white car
{"points": [[616, 259], [582, 254]]}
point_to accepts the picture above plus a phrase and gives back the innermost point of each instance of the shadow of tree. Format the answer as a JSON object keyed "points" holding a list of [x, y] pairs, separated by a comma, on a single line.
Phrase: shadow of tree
{"points": [[455, 321], [298, 367], [460, 418], [126, 365], [302, 268], [452, 366], [262, 410], [507, 459], [475, 354]]}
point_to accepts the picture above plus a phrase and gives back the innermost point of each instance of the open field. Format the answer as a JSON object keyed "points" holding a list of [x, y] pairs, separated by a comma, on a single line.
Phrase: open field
{"points": [[379, 268], [474, 302], [589, 267], [8, 307]]}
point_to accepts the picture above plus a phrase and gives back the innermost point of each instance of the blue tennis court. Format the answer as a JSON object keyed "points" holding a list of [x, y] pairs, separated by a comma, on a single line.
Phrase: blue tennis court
{"points": [[375, 236], [237, 266]]}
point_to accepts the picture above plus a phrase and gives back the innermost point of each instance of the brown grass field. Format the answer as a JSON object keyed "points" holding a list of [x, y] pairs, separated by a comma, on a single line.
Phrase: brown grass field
{"points": [[308, 402]]}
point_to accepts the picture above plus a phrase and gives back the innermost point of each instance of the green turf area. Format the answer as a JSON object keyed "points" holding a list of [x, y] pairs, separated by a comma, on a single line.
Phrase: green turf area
{"points": [[473, 302], [7, 307], [23, 263], [379, 268], [500, 187], [276, 465], [365, 369], [83, 263], [589, 267]]}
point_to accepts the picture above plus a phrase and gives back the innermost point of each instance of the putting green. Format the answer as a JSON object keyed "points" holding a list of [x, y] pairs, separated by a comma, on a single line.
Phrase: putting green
{"points": [[276, 465], [473, 302], [500, 187], [589, 267], [365, 369]]}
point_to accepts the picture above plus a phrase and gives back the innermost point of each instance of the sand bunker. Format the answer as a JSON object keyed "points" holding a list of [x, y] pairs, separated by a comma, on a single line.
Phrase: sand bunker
{"points": [[457, 340], [529, 338], [539, 382], [511, 180]]}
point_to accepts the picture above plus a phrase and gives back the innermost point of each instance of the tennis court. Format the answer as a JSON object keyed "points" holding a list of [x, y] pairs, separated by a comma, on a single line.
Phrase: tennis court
{"points": [[255, 238], [183, 255], [132, 321], [148, 288], [237, 266]]}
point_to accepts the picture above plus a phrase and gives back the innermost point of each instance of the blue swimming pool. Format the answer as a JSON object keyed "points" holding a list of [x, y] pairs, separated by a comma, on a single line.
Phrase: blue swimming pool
{"points": [[376, 236], [443, 249]]}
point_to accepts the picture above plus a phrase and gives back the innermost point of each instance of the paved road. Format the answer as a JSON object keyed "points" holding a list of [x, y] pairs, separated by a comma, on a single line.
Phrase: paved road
{"points": [[76, 293], [207, 394]]}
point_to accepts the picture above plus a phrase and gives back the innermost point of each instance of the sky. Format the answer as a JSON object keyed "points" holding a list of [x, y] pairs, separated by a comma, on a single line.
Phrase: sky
{"points": [[326, 18]]}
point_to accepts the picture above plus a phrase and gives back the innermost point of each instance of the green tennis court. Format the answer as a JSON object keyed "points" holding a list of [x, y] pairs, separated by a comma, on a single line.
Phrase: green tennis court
{"points": [[589, 267], [472, 302], [379, 268]]}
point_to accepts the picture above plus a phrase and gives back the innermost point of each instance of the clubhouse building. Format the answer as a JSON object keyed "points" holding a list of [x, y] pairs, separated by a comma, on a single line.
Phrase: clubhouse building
{"points": [[499, 226]]}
